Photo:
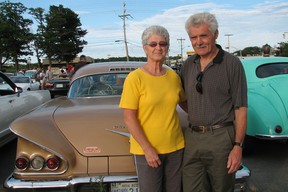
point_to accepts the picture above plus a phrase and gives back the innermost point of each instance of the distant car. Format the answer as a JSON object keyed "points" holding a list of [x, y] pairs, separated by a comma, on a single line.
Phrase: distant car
{"points": [[26, 83], [80, 141], [14, 103], [32, 74], [14, 74], [59, 85], [267, 79]]}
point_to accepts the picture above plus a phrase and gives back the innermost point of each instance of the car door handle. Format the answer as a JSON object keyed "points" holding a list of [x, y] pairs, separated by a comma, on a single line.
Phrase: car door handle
{"points": [[10, 101]]}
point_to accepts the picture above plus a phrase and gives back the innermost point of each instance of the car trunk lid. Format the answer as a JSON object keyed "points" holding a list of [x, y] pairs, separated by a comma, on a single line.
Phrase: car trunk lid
{"points": [[93, 126]]}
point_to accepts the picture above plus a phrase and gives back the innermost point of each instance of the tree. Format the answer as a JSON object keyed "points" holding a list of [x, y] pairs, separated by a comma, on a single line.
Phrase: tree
{"points": [[15, 32], [39, 42], [63, 34], [282, 49], [252, 51]]}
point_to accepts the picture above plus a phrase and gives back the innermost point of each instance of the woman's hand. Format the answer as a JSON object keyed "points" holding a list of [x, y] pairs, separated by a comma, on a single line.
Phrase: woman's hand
{"points": [[152, 157]]}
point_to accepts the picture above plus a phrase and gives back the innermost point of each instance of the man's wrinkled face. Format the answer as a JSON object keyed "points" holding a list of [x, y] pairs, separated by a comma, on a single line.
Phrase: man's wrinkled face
{"points": [[202, 39]]}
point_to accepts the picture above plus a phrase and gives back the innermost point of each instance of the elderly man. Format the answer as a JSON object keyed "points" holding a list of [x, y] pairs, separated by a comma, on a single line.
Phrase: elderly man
{"points": [[215, 85]]}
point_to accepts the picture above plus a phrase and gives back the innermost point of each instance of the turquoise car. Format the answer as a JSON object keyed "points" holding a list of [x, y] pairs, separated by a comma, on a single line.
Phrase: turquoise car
{"points": [[267, 79]]}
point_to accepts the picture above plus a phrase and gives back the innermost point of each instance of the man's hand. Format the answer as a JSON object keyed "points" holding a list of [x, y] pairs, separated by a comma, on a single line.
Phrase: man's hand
{"points": [[234, 159]]}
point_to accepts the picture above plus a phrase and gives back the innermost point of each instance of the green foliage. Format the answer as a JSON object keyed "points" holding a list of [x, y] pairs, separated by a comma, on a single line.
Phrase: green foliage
{"points": [[39, 43], [15, 34], [251, 51], [282, 49], [63, 34]]}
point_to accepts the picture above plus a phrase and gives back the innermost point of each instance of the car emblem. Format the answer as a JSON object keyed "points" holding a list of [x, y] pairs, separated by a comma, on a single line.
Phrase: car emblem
{"points": [[92, 150]]}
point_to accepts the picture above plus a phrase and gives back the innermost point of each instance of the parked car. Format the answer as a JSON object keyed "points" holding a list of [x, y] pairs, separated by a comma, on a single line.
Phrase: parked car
{"points": [[80, 141], [14, 103], [59, 85], [267, 79], [26, 83], [14, 74], [32, 74]]}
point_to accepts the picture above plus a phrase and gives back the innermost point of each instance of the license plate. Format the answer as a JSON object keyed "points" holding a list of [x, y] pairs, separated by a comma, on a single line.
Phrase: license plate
{"points": [[124, 187], [59, 85]]}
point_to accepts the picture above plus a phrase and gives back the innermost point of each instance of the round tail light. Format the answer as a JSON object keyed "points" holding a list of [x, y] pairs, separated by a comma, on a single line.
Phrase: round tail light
{"points": [[53, 163], [278, 129], [22, 163], [37, 162]]}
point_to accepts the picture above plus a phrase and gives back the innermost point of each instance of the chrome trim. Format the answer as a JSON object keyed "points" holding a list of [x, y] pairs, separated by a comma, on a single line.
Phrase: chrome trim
{"points": [[119, 132], [13, 183], [271, 137]]}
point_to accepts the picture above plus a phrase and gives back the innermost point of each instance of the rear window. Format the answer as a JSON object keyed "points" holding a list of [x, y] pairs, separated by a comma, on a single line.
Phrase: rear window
{"points": [[98, 85], [272, 69]]}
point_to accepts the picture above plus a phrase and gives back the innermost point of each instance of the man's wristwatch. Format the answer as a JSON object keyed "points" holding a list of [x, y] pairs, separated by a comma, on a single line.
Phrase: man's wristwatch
{"points": [[238, 144]]}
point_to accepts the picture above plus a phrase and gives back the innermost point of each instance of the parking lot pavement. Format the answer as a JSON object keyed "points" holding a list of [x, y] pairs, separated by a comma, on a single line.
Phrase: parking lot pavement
{"points": [[268, 162]]}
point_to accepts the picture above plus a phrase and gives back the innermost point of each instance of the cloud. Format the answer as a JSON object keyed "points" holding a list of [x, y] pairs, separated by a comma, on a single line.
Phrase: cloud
{"points": [[254, 26]]}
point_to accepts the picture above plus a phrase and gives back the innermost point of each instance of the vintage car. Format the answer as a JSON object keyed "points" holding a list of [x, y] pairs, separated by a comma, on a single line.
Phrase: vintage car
{"points": [[80, 142], [26, 83], [14, 103], [267, 79]]}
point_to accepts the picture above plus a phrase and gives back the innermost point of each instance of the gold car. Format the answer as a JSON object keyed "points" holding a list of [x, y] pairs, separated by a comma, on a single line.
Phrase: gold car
{"points": [[80, 142]]}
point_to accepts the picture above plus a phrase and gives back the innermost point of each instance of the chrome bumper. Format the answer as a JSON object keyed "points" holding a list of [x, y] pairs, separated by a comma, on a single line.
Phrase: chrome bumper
{"points": [[271, 137], [12, 183]]}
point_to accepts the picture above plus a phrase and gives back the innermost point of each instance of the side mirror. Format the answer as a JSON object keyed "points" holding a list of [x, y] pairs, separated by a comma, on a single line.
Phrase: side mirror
{"points": [[18, 90]]}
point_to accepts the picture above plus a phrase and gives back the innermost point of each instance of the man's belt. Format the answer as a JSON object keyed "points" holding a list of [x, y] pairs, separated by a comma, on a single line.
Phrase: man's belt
{"points": [[206, 128]]}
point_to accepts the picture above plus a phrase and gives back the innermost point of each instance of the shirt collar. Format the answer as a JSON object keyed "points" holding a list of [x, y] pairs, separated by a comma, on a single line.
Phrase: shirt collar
{"points": [[219, 57]]}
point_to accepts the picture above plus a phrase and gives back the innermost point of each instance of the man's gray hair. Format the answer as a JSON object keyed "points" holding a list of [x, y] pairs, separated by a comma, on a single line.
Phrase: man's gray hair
{"points": [[202, 18], [154, 30]]}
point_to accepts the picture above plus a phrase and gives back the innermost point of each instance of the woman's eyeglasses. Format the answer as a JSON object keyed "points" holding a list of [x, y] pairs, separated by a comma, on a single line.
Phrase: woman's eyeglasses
{"points": [[199, 88], [161, 44]]}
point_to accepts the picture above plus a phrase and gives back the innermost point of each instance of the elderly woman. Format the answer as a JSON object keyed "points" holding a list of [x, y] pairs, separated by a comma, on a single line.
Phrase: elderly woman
{"points": [[149, 99]]}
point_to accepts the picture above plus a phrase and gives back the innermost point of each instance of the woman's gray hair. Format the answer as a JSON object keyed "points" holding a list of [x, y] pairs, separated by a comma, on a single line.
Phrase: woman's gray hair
{"points": [[154, 30], [202, 18]]}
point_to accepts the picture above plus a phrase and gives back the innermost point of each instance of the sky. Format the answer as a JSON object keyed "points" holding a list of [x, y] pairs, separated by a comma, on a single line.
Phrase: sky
{"points": [[241, 23]]}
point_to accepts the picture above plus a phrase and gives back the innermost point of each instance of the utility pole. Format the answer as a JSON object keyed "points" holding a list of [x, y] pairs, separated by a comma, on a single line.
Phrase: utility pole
{"points": [[228, 35], [181, 46], [123, 17]]}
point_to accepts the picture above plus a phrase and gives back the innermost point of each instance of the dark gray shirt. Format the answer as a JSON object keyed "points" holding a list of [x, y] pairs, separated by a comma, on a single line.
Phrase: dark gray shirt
{"points": [[224, 88]]}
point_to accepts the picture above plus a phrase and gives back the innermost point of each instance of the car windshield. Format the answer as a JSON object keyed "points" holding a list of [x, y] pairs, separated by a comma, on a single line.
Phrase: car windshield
{"points": [[20, 79], [98, 85], [272, 69], [4, 86]]}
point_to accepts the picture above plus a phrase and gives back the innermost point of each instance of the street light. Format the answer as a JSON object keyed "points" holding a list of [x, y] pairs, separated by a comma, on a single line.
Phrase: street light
{"points": [[228, 35]]}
